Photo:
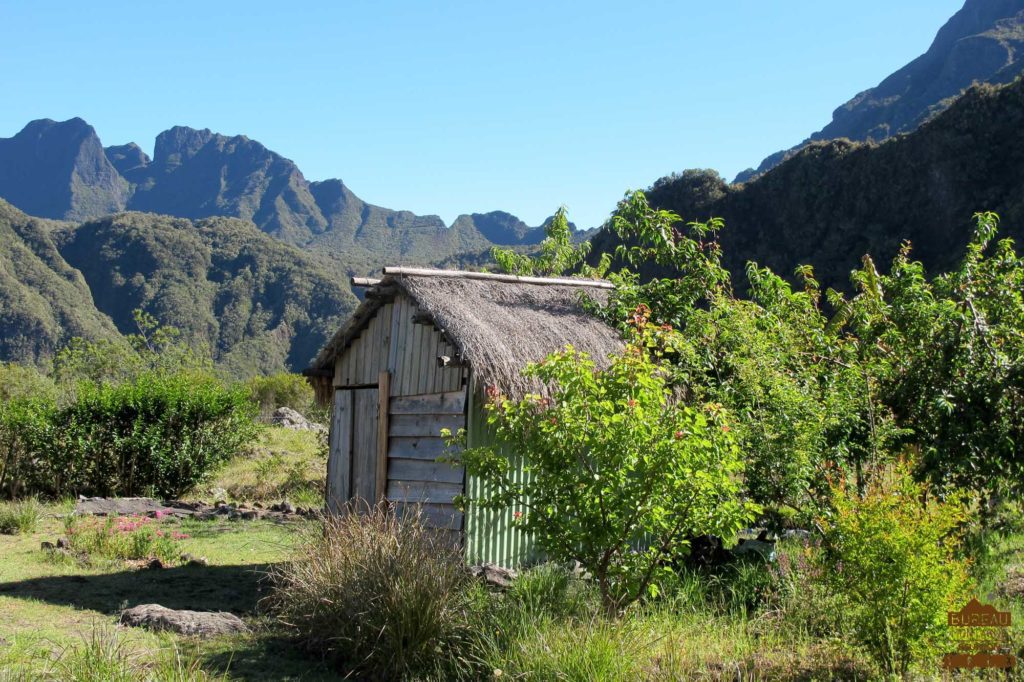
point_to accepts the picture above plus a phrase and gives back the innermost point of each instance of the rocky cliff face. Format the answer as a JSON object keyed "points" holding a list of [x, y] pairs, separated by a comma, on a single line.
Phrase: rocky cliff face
{"points": [[982, 43], [60, 170]]}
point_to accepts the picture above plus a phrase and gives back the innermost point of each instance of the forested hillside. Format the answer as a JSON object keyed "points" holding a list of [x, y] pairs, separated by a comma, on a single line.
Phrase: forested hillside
{"points": [[982, 43], [833, 202], [254, 303]]}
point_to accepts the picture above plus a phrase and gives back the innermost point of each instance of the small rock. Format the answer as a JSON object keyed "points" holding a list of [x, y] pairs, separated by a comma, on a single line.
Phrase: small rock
{"points": [[796, 534], [494, 576], [756, 548], [249, 516], [190, 560], [287, 508], [206, 623], [155, 564], [47, 546], [257, 505], [62, 543]]}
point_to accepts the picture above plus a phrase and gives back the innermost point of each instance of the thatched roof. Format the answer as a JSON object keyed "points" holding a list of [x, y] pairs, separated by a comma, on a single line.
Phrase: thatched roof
{"points": [[499, 323]]}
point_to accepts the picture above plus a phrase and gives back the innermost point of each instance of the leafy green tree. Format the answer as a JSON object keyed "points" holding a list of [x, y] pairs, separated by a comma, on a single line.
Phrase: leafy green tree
{"points": [[558, 254], [796, 385], [950, 358], [892, 551], [621, 473]]}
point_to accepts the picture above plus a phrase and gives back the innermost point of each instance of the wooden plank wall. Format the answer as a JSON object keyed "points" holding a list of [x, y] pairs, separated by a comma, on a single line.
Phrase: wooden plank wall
{"points": [[364, 445], [339, 461], [414, 444], [424, 398], [392, 342]]}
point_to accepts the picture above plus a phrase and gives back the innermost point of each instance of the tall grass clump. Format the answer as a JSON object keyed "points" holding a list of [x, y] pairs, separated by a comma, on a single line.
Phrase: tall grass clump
{"points": [[106, 655], [20, 517], [379, 596]]}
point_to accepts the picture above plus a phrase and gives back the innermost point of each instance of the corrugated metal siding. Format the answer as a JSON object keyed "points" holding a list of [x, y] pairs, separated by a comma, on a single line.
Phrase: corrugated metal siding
{"points": [[491, 536]]}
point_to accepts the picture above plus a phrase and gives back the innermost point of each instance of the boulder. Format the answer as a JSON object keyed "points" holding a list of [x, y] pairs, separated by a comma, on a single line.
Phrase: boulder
{"points": [[288, 418], [494, 576], [204, 623]]}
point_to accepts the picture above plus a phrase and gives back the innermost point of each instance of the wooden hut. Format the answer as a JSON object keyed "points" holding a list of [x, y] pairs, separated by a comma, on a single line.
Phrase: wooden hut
{"points": [[416, 357]]}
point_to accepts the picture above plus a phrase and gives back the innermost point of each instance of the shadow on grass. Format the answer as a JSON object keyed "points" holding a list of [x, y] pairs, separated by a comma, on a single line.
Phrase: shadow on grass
{"points": [[265, 656], [237, 589]]}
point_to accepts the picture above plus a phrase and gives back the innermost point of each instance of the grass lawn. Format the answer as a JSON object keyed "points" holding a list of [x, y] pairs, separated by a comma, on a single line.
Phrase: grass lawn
{"points": [[48, 605]]}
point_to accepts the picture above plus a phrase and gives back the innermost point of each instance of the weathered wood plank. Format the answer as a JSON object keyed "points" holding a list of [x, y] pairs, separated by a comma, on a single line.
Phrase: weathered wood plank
{"points": [[411, 371], [427, 364], [383, 395], [432, 515], [424, 424], [385, 342], [423, 470], [396, 338], [418, 491], [426, 447], [364, 444], [339, 461], [453, 402]]}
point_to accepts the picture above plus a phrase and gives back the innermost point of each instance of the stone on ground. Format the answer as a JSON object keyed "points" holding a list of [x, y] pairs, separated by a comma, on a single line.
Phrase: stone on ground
{"points": [[206, 623]]}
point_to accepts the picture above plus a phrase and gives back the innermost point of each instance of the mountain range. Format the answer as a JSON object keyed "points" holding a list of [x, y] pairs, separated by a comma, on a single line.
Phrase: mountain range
{"points": [[834, 201], [61, 170], [982, 43], [255, 304], [228, 241]]}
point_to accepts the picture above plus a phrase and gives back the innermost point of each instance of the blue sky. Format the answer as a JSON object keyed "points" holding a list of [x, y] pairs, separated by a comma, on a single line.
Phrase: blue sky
{"points": [[457, 107]]}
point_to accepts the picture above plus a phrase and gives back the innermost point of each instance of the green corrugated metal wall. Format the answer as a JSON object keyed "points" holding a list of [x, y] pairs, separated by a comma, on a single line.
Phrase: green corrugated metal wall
{"points": [[490, 536]]}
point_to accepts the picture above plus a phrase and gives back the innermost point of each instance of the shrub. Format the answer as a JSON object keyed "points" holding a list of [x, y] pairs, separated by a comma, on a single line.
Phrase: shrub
{"points": [[892, 555], [123, 537], [621, 474], [24, 423], [155, 434], [20, 517], [381, 597], [280, 390]]}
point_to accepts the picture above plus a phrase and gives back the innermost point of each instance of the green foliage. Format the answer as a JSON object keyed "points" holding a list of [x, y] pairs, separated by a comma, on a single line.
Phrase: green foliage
{"points": [[950, 358], [282, 389], [620, 473], [123, 538], [933, 364], [836, 200], [21, 516], [21, 381], [558, 253], [107, 655], [155, 434], [798, 394], [381, 597], [893, 554]]}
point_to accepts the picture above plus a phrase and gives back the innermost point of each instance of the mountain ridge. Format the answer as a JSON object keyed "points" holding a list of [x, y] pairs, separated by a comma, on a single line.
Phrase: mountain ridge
{"points": [[981, 43], [197, 173]]}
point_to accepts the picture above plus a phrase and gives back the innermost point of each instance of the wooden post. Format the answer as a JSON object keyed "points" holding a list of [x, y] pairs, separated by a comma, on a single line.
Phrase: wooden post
{"points": [[383, 404]]}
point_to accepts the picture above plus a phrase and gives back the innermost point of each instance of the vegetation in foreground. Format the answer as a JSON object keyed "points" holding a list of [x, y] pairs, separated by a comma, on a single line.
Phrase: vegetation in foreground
{"points": [[887, 423]]}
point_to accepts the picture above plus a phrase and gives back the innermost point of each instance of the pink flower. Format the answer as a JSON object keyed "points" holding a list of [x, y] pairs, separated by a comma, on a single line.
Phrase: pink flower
{"points": [[517, 515]]}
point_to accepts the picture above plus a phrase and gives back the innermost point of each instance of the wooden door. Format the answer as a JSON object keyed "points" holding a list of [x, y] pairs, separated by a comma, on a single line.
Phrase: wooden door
{"points": [[352, 462]]}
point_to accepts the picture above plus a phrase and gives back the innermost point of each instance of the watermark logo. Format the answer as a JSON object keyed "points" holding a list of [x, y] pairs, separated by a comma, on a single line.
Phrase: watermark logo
{"points": [[980, 632]]}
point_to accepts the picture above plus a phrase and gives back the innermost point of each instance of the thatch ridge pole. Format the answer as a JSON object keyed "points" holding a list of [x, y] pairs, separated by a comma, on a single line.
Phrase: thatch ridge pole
{"points": [[495, 277], [365, 281]]}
